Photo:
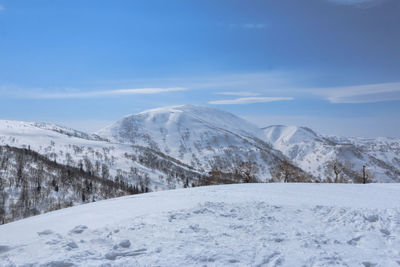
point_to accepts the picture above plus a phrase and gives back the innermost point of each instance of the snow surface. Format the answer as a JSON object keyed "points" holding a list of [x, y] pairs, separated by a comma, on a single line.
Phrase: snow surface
{"points": [[235, 225]]}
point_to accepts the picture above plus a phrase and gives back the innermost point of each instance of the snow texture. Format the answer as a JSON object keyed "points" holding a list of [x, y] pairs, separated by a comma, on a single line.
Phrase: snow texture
{"points": [[231, 225]]}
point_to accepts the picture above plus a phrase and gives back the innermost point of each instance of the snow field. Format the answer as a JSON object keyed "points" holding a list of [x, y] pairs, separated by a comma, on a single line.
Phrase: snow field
{"points": [[232, 225]]}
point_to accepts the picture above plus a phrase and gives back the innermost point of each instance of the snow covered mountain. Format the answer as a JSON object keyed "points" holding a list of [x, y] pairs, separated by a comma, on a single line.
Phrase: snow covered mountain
{"points": [[230, 225], [155, 150], [315, 153], [202, 137], [171, 125], [130, 164], [175, 147]]}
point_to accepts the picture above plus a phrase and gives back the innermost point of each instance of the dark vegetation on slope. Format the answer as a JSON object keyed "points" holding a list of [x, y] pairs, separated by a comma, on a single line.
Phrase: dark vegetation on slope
{"points": [[31, 184]]}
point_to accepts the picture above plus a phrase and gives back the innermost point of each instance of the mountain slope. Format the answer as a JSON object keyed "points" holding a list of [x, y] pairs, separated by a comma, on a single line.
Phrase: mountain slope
{"points": [[136, 165], [171, 124], [277, 225], [314, 153], [202, 137], [31, 184], [156, 150]]}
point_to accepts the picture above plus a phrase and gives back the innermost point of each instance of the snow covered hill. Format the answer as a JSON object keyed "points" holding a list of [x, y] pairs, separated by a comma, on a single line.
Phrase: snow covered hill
{"points": [[31, 184], [173, 147], [231, 225], [156, 150], [198, 136], [132, 164], [314, 152]]}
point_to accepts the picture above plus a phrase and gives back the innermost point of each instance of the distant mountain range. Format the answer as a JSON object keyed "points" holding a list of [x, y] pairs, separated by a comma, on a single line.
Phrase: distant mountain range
{"points": [[184, 146], [313, 152], [196, 139]]}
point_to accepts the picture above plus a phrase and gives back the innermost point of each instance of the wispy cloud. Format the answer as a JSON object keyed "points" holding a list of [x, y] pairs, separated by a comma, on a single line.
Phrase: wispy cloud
{"points": [[39, 94], [249, 100], [368, 93], [238, 93], [260, 82], [1, 8]]}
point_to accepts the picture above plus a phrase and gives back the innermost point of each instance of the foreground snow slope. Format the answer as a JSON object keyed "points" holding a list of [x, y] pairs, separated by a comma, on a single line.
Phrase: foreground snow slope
{"points": [[244, 224]]}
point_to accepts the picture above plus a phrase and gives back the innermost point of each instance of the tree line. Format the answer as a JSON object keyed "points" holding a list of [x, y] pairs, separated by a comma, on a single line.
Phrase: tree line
{"points": [[31, 184]]}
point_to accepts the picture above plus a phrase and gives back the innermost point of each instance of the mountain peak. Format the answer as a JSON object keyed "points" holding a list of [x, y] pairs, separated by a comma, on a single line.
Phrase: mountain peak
{"points": [[290, 134], [176, 119]]}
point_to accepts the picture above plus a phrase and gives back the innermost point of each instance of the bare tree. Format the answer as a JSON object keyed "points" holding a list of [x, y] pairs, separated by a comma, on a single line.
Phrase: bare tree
{"points": [[20, 168], [248, 171], [3, 197], [283, 171], [365, 176], [336, 167], [88, 165], [105, 173]]}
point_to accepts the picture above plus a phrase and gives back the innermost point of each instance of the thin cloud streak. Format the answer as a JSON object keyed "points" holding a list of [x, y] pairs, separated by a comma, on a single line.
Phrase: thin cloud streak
{"points": [[249, 100], [238, 93], [368, 93], [95, 94]]}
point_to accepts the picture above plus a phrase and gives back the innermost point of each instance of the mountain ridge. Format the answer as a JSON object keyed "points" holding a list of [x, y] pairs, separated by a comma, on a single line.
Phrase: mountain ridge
{"points": [[315, 152]]}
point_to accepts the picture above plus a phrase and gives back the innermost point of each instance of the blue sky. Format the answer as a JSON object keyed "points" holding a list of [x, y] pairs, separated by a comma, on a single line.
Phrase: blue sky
{"points": [[332, 65]]}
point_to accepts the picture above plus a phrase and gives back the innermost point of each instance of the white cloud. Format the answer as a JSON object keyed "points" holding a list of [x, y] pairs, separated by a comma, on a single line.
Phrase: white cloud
{"points": [[261, 82], [238, 93], [90, 94], [368, 93], [249, 100]]}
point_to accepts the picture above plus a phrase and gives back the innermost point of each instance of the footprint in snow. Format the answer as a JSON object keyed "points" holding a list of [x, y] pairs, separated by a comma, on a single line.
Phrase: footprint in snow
{"points": [[4, 248], [113, 255], [273, 259], [71, 245], [354, 241], [78, 229], [45, 232], [369, 264], [125, 243], [385, 232], [371, 218], [59, 264]]}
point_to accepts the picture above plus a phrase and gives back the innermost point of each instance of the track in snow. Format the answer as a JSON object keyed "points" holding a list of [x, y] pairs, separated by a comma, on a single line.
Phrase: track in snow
{"points": [[252, 225]]}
